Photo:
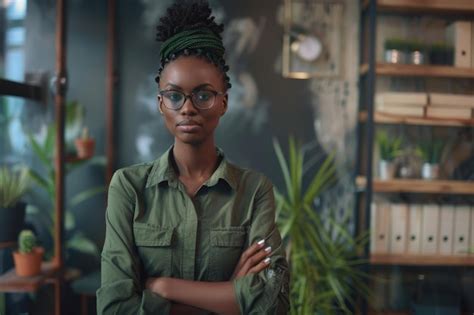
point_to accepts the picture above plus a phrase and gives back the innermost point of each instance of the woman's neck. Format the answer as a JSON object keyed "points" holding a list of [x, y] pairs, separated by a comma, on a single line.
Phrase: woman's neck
{"points": [[195, 161]]}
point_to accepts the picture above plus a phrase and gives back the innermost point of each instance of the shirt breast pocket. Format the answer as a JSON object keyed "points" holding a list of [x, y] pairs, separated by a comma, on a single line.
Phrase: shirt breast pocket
{"points": [[227, 245], [155, 247]]}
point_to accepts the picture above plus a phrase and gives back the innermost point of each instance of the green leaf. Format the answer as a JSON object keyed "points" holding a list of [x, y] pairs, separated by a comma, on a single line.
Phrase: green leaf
{"points": [[82, 244], [86, 194]]}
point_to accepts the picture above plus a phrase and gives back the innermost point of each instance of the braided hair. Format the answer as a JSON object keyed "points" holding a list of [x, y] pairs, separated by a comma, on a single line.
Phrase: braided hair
{"points": [[189, 29]]}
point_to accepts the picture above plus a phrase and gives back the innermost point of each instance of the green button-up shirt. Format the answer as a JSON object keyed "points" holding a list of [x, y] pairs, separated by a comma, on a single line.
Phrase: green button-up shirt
{"points": [[154, 229]]}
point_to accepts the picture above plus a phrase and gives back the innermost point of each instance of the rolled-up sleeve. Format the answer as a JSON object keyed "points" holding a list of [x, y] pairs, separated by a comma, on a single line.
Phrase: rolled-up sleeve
{"points": [[122, 284], [266, 292]]}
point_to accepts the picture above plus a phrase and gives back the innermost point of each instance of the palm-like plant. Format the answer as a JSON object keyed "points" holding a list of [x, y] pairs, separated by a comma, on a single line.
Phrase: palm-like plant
{"points": [[430, 151], [46, 180], [321, 251], [389, 148], [13, 186]]}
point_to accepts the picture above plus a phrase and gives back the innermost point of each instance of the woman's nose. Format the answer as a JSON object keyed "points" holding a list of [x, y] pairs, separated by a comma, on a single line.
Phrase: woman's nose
{"points": [[188, 107]]}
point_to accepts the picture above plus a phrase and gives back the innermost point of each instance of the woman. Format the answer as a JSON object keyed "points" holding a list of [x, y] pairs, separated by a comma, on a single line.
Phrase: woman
{"points": [[191, 233]]}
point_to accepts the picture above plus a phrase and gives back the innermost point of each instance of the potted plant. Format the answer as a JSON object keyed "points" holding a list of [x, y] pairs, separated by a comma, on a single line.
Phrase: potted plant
{"points": [[13, 185], [321, 250], [430, 153], [85, 145], [396, 50], [29, 256], [416, 52], [389, 150], [74, 121], [441, 53]]}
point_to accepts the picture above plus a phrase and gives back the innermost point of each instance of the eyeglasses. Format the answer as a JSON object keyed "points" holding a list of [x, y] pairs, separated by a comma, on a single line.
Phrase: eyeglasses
{"points": [[202, 99]]}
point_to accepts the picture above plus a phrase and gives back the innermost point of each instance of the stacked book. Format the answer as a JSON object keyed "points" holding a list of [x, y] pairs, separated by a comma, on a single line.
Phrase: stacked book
{"points": [[401, 103], [455, 106], [432, 105]]}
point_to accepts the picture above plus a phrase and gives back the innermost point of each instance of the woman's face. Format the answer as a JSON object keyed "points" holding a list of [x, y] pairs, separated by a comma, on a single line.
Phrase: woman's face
{"points": [[188, 74]]}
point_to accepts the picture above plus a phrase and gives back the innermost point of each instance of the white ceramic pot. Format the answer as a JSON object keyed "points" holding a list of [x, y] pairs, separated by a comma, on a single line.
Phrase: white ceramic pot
{"points": [[386, 170], [417, 58], [430, 171], [395, 56]]}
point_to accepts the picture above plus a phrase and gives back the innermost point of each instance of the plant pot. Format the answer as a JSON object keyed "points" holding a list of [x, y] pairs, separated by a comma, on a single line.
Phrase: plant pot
{"points": [[430, 171], [386, 170], [11, 222], [395, 56], [441, 57], [416, 57], [28, 265], [85, 148]]}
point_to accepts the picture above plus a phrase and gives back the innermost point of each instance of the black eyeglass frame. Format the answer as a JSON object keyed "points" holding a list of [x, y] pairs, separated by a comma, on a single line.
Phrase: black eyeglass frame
{"points": [[190, 96]]}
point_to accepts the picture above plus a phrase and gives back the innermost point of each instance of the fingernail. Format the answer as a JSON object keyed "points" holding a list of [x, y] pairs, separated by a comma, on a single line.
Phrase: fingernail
{"points": [[267, 260], [260, 243], [268, 249]]}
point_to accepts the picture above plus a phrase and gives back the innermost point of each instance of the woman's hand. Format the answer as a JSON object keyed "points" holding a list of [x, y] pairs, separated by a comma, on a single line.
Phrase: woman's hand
{"points": [[253, 260]]}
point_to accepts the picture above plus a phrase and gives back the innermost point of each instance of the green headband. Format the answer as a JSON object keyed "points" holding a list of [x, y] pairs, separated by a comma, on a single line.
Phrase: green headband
{"points": [[193, 39]]}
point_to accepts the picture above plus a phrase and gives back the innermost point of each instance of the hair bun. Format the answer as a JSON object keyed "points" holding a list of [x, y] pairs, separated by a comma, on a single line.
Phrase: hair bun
{"points": [[186, 15]]}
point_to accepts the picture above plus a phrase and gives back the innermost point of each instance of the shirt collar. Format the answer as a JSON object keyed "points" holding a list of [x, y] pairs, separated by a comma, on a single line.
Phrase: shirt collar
{"points": [[163, 171]]}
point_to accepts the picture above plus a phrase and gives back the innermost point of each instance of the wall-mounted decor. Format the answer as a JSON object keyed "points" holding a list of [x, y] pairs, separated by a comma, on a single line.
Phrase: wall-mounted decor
{"points": [[312, 39]]}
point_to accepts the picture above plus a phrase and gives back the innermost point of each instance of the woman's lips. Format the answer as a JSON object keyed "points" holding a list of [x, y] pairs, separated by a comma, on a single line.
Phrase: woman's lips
{"points": [[188, 126]]}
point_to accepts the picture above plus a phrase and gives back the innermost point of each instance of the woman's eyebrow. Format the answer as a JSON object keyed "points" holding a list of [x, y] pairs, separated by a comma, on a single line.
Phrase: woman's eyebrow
{"points": [[177, 87]]}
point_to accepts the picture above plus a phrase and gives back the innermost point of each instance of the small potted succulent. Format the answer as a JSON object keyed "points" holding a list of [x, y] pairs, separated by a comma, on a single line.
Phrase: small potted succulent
{"points": [[430, 153], [389, 150], [396, 50], [416, 52], [13, 185], [441, 54], [85, 145], [29, 256]]}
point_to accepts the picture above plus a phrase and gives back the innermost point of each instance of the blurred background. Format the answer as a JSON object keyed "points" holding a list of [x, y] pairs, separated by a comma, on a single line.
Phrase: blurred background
{"points": [[312, 78]]}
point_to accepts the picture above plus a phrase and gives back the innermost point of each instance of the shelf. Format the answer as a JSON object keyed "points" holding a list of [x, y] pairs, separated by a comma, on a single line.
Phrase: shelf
{"points": [[433, 6], [383, 118], [4, 245], [421, 260], [72, 158], [388, 69], [419, 186], [10, 282]]}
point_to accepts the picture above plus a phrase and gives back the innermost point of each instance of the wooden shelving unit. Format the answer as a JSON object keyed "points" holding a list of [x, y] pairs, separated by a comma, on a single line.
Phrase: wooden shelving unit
{"points": [[4, 245], [458, 7], [369, 118], [383, 118], [10, 282], [418, 186], [387, 69], [421, 260]]}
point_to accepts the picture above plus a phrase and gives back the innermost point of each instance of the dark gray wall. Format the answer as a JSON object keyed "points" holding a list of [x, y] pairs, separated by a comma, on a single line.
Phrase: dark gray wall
{"points": [[281, 106]]}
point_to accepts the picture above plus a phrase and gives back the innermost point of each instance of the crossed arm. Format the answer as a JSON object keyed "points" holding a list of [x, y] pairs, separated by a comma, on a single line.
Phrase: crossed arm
{"points": [[190, 297]]}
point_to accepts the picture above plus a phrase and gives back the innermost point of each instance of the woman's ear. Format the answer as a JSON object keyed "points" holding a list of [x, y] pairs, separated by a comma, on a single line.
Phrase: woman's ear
{"points": [[225, 99], [159, 104]]}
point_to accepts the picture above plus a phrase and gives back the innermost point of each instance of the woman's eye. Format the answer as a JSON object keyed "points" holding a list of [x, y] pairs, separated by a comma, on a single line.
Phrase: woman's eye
{"points": [[174, 96], [204, 96]]}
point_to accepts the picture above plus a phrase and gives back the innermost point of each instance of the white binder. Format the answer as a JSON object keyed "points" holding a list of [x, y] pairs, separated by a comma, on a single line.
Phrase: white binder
{"points": [[398, 227], [446, 229], [429, 229], [471, 247], [459, 34], [414, 229], [462, 221], [380, 227]]}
